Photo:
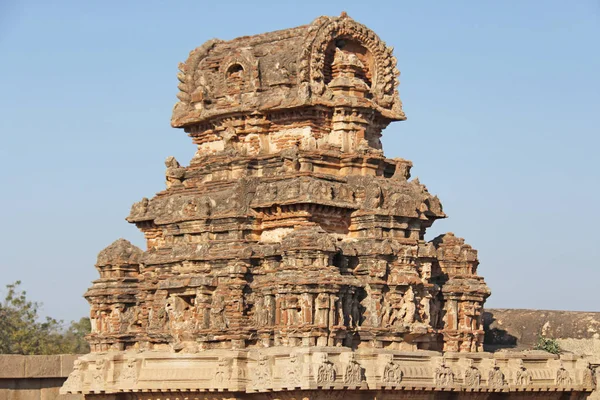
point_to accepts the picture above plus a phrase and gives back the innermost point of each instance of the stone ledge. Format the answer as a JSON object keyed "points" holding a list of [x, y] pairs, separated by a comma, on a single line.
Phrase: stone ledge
{"points": [[36, 366]]}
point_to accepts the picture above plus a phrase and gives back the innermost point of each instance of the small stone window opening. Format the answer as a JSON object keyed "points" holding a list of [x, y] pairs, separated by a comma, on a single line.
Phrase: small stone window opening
{"points": [[235, 71], [235, 74]]}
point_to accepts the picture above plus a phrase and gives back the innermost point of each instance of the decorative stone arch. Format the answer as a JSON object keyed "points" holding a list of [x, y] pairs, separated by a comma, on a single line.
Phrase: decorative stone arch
{"points": [[187, 71], [325, 31]]}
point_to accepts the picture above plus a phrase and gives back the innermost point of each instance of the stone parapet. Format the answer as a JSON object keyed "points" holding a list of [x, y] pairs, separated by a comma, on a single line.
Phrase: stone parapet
{"points": [[281, 369], [35, 377]]}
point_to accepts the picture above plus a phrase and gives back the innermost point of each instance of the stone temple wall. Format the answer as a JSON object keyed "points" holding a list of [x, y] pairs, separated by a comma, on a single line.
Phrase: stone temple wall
{"points": [[35, 377]]}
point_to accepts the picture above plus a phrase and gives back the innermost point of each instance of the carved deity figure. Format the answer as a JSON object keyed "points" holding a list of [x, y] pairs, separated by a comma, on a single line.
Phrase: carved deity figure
{"points": [[386, 313], [353, 373], [408, 309], [495, 376], [472, 377], [434, 312], [322, 309], [326, 372], [562, 376], [262, 372], [217, 312], [392, 374], [443, 375], [374, 198], [522, 376]]}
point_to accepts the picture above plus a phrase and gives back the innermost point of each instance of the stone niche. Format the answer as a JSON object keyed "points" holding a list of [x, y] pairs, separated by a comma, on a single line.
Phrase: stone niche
{"points": [[290, 254]]}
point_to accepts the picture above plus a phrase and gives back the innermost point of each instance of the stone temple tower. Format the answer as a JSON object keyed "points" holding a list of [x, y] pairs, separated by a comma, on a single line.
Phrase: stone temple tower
{"points": [[290, 254]]}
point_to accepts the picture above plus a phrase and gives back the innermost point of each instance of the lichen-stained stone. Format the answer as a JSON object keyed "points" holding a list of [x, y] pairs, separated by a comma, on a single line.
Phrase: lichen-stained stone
{"points": [[290, 253]]}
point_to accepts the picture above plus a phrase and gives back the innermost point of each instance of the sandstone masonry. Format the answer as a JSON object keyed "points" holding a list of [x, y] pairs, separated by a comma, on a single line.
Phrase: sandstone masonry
{"points": [[289, 256]]}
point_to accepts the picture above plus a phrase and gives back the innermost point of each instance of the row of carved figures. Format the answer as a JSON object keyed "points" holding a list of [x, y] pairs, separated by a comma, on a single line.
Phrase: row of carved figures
{"points": [[351, 308]]}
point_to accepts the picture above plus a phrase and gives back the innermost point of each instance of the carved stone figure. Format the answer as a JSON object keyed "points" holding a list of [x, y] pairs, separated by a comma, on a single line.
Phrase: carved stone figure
{"points": [[322, 309], [98, 372], [588, 379], [472, 376], [353, 372], [392, 373], [262, 372], [562, 376], [326, 372], [443, 375], [129, 372], [217, 312], [175, 173], [408, 309], [495, 376], [522, 375]]}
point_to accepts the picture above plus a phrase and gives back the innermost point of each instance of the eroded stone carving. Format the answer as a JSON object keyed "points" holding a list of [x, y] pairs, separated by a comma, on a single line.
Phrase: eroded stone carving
{"points": [[495, 376], [588, 378], [293, 373], [444, 376], [353, 372], [392, 373], [472, 376], [562, 376], [522, 375], [326, 372], [223, 371]]}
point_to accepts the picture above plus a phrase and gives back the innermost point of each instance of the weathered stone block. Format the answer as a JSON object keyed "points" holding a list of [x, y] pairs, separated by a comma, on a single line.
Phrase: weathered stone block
{"points": [[12, 366], [25, 394], [43, 366]]}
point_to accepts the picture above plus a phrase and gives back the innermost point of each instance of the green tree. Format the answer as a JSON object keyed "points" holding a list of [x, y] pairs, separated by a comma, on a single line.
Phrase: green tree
{"points": [[22, 332], [74, 338]]}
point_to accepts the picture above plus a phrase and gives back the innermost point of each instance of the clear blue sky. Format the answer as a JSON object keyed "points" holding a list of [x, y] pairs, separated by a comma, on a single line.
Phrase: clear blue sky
{"points": [[502, 99]]}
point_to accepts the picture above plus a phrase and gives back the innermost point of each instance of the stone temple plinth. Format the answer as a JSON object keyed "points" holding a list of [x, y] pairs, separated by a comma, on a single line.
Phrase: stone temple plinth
{"points": [[288, 259]]}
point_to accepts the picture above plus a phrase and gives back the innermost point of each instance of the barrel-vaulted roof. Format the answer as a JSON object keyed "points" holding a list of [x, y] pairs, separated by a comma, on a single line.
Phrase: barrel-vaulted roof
{"points": [[285, 69]]}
